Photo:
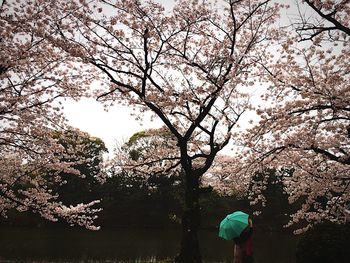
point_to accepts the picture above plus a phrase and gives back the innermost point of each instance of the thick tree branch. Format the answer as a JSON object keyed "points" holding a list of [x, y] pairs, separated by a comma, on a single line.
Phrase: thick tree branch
{"points": [[330, 18]]}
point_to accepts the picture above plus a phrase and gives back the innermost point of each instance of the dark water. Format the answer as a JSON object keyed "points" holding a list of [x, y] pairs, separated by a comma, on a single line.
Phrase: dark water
{"points": [[129, 245]]}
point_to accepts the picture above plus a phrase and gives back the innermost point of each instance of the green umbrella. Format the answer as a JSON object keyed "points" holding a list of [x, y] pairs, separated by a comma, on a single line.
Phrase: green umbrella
{"points": [[233, 225]]}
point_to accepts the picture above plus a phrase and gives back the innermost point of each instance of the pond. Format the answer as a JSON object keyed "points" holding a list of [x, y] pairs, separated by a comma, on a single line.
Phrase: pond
{"points": [[130, 245]]}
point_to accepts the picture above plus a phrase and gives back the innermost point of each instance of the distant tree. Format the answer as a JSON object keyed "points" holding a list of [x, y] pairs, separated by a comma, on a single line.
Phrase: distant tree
{"points": [[151, 156], [149, 153], [88, 160], [271, 201]]}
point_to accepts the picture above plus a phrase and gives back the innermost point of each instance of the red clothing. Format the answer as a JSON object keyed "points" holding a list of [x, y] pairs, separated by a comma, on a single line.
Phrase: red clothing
{"points": [[248, 247], [243, 250]]}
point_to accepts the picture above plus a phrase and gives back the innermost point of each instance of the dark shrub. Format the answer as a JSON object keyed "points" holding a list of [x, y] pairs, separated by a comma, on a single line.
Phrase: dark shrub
{"points": [[325, 243]]}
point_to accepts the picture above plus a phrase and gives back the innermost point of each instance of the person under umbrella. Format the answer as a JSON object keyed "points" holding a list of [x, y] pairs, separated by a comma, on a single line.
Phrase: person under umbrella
{"points": [[238, 227]]}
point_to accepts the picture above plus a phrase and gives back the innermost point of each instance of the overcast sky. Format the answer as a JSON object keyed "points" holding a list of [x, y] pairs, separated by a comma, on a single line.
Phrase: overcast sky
{"points": [[116, 125]]}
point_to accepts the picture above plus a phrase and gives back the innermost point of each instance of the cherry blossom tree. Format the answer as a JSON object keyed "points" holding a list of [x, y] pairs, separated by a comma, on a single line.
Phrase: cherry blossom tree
{"points": [[225, 177], [31, 80], [190, 67], [305, 126]]}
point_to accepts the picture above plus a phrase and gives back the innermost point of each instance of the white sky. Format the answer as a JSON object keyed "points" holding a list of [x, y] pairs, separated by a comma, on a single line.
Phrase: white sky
{"points": [[115, 126]]}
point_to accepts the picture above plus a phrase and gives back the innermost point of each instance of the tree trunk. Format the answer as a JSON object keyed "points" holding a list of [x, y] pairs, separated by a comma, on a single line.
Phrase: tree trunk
{"points": [[190, 252]]}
